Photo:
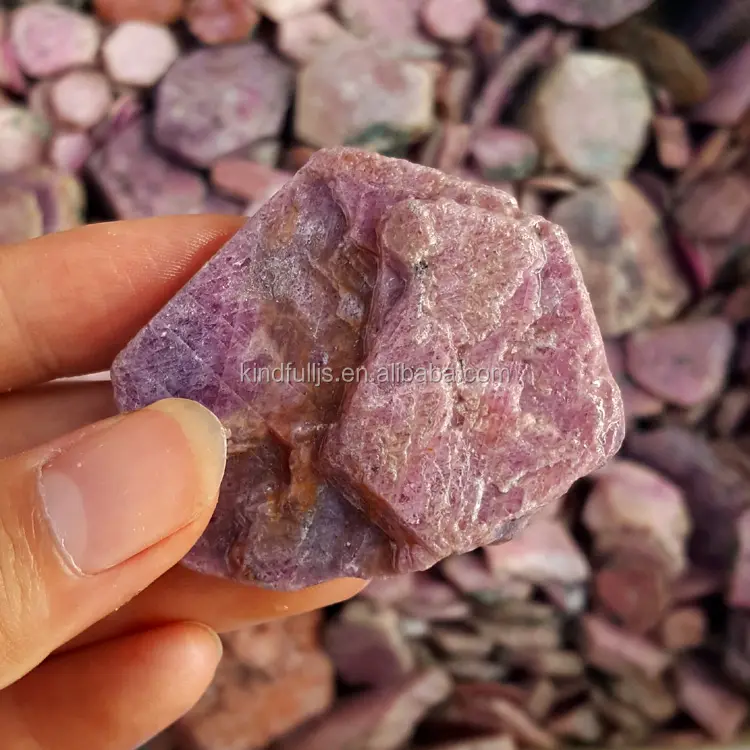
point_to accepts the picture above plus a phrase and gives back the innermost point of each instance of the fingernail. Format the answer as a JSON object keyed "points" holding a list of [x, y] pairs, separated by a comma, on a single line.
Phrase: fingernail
{"points": [[216, 637], [127, 486]]}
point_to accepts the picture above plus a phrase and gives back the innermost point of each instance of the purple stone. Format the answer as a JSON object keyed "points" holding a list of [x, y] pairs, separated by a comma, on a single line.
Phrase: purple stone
{"points": [[366, 263]]}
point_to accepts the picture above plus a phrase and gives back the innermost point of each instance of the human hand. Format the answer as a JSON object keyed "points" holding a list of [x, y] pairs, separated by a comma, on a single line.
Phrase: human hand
{"points": [[98, 642]]}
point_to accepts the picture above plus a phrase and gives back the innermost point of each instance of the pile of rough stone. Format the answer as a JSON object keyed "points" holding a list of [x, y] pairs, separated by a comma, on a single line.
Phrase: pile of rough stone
{"points": [[622, 618]]}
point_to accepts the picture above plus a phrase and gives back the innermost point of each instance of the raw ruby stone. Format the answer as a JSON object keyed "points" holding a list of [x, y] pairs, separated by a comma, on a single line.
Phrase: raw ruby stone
{"points": [[382, 267]]}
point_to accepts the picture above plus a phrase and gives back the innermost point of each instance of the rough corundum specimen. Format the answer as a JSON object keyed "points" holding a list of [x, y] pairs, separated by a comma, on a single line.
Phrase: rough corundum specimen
{"points": [[380, 266]]}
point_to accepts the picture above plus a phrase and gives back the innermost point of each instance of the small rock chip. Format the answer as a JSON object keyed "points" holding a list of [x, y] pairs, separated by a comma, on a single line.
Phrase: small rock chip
{"points": [[381, 719], [254, 183], [683, 629], [713, 706], [302, 38], [582, 12], [494, 742], [612, 93], [618, 652], [362, 94], [20, 215], [468, 573], [739, 591], [453, 20], [624, 255], [11, 77], [81, 99], [392, 19], [715, 208], [729, 96], [672, 141], [367, 646], [138, 181], [138, 53], [50, 39], [580, 724], [69, 151], [716, 491], [22, 138], [279, 10], [684, 363], [207, 106], [155, 11], [654, 698], [665, 59], [221, 21], [504, 154], [543, 552], [633, 507]]}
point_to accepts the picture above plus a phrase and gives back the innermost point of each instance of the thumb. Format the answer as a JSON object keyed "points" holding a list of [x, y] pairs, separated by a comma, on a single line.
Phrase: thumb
{"points": [[90, 520]]}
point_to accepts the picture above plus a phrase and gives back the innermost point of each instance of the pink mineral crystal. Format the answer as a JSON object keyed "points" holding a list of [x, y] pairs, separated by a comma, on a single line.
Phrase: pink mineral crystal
{"points": [[300, 334], [582, 12]]}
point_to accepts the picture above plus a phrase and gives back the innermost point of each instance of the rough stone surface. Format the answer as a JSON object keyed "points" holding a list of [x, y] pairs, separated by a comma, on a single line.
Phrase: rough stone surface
{"points": [[729, 96], [138, 53], [279, 10], [582, 12], [394, 19], [221, 21], [624, 254], [81, 98], [138, 181], [68, 151], [613, 93], [684, 363], [50, 39], [288, 517], [22, 138], [363, 94], [208, 106]]}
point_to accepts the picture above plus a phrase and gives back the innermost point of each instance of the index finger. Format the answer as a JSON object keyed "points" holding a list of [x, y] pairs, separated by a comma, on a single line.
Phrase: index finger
{"points": [[70, 301]]}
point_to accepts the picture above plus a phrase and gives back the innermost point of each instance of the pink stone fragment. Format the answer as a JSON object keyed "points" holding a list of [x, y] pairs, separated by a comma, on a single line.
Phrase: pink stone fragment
{"points": [[139, 53], [303, 37], [469, 573], [49, 39], [730, 92], [221, 21], [335, 269], [739, 591], [207, 106], [361, 93], [381, 719], [247, 180], [609, 140], [279, 10], [633, 507], [582, 12], [138, 181], [11, 77], [622, 248], [544, 552], [672, 141], [453, 20], [504, 153], [81, 99], [614, 650], [68, 151], [684, 363], [20, 215], [22, 138], [394, 19], [367, 646], [714, 208]]}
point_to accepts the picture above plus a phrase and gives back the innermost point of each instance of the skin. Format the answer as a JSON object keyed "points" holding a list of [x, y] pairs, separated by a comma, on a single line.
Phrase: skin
{"points": [[109, 660]]}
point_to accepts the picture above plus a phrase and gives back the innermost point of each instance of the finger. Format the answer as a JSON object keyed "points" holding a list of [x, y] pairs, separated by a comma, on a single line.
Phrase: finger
{"points": [[38, 415], [113, 696], [90, 520], [182, 594], [70, 301]]}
